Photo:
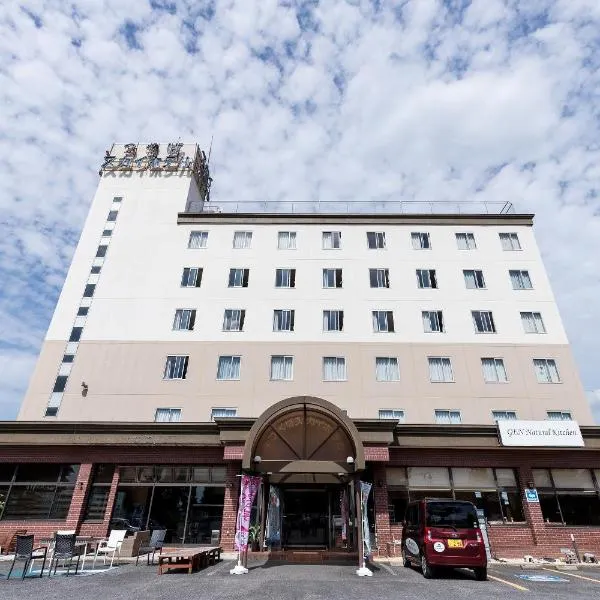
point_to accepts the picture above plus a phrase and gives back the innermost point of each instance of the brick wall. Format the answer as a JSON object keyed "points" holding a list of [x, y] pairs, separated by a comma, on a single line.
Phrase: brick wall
{"points": [[230, 506]]}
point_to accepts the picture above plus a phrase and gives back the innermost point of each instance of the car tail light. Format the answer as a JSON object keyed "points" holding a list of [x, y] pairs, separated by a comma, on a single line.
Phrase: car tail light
{"points": [[429, 537], [479, 537]]}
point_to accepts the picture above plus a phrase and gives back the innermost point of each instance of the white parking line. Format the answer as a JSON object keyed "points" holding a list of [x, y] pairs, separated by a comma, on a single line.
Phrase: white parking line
{"points": [[510, 583], [572, 575]]}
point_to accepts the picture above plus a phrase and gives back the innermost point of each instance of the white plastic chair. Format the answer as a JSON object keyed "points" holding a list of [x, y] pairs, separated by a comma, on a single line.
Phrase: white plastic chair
{"points": [[110, 546]]}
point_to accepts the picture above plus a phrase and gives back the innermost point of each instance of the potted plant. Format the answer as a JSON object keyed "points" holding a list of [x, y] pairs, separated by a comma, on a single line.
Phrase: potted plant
{"points": [[254, 537]]}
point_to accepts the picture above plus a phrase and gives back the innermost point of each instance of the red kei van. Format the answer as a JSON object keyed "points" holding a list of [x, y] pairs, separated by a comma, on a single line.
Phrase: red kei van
{"points": [[443, 533]]}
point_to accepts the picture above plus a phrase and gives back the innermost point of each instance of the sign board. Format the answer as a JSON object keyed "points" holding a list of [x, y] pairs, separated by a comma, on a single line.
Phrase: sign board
{"points": [[531, 495], [545, 578], [540, 433], [484, 532]]}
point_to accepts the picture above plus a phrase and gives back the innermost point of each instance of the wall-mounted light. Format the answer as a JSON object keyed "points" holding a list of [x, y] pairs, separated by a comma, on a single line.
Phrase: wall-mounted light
{"points": [[257, 459], [84, 388], [350, 460]]}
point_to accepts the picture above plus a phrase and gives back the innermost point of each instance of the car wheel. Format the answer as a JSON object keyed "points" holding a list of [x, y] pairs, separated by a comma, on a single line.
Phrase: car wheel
{"points": [[481, 574], [427, 570], [405, 561]]}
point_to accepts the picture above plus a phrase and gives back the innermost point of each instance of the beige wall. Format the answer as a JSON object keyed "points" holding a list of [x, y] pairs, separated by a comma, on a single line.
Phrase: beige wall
{"points": [[125, 381]]}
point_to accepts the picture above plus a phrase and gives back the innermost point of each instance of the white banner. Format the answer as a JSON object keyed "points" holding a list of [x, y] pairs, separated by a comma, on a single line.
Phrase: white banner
{"points": [[540, 433]]}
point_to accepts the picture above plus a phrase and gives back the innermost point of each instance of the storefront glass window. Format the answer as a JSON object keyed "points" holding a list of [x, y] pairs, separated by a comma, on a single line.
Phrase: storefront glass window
{"points": [[99, 491]]}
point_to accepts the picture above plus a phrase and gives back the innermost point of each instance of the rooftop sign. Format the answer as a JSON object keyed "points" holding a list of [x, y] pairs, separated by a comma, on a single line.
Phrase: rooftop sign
{"points": [[540, 433]]}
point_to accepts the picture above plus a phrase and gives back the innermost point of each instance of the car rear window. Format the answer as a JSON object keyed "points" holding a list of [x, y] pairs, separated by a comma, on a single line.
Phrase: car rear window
{"points": [[451, 514]]}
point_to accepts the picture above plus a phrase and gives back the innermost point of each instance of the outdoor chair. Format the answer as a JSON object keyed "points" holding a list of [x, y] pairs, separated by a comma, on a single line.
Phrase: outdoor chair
{"points": [[215, 537], [156, 542], [64, 552], [8, 543], [26, 553], [110, 546]]}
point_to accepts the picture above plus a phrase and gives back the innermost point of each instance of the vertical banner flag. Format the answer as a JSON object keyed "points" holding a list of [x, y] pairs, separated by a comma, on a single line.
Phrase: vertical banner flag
{"points": [[365, 490], [344, 506], [273, 526], [249, 487]]}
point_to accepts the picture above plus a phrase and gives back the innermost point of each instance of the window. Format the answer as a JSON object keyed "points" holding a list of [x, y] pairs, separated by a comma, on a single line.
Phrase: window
{"points": [[198, 239], [283, 320], [420, 241], [239, 277], [392, 414], [334, 368], [176, 367], [167, 415], [379, 278], [60, 383], [332, 240], [510, 241], [465, 241], [285, 278], [559, 415], [118, 199], [448, 417], [286, 240], [82, 311], [483, 321], [107, 233], [112, 215], [228, 368], [242, 239], [184, 319], [332, 278], [440, 369], [95, 270], [504, 415], [75, 334], [474, 279], [375, 239], [520, 280], [386, 368], [433, 321], [532, 322], [191, 277], [282, 368], [102, 476], [101, 252], [89, 290], [68, 358], [426, 278], [233, 319], [493, 370], [333, 320], [222, 413], [383, 321], [545, 370]]}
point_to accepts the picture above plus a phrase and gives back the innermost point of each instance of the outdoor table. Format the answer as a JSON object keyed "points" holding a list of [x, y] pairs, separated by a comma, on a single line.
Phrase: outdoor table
{"points": [[190, 558]]}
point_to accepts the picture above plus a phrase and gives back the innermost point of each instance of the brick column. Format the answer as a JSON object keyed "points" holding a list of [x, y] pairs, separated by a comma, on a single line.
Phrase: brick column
{"points": [[382, 515], [230, 505], [79, 499], [110, 503], [532, 510]]}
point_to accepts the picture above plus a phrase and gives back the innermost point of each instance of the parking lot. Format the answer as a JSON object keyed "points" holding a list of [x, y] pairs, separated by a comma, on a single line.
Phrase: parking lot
{"points": [[272, 581]]}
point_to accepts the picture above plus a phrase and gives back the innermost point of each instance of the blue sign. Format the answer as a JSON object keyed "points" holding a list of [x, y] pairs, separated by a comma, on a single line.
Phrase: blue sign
{"points": [[543, 578], [531, 495]]}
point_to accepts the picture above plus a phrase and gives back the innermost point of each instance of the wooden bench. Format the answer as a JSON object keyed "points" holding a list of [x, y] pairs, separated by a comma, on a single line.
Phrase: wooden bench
{"points": [[191, 558]]}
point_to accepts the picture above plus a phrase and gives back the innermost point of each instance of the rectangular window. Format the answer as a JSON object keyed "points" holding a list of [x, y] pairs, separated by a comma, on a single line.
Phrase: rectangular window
{"points": [[283, 320], [239, 277], [332, 278], [420, 241], [82, 311], [474, 279], [433, 321], [68, 358], [426, 278], [191, 277], [532, 322], [383, 321], [89, 290], [184, 319], [391, 414], [176, 367], [440, 369], [198, 239], [510, 241], [483, 321], [282, 368], [375, 240], [494, 370], [75, 334], [379, 278], [545, 370], [101, 252], [520, 280], [386, 368], [233, 319], [228, 368], [95, 270], [118, 199], [332, 240], [333, 320], [559, 415], [285, 278], [99, 492], [167, 415], [465, 241], [504, 415], [242, 239], [112, 215], [60, 383], [107, 233], [334, 368], [222, 413], [448, 417], [286, 240]]}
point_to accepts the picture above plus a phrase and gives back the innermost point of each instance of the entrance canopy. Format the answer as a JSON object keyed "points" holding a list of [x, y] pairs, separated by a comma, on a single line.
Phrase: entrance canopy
{"points": [[304, 439]]}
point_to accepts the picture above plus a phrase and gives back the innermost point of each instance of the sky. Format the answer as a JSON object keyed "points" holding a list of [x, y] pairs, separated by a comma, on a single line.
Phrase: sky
{"points": [[428, 100]]}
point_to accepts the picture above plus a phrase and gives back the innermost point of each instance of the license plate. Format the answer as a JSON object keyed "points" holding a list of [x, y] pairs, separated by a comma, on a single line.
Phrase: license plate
{"points": [[455, 544]]}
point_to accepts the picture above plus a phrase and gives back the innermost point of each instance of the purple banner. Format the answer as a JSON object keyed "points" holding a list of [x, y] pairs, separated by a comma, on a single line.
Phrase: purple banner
{"points": [[249, 487], [365, 490], [345, 511]]}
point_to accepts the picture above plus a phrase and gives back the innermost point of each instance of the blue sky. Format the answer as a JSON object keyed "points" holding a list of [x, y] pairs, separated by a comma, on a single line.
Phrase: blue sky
{"points": [[407, 100]]}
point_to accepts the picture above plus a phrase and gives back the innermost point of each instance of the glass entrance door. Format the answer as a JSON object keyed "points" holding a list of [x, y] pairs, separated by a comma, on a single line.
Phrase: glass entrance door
{"points": [[306, 518]]}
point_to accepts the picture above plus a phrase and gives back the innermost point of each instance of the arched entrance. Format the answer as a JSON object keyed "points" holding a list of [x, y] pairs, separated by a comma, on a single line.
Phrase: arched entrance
{"points": [[311, 453]]}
